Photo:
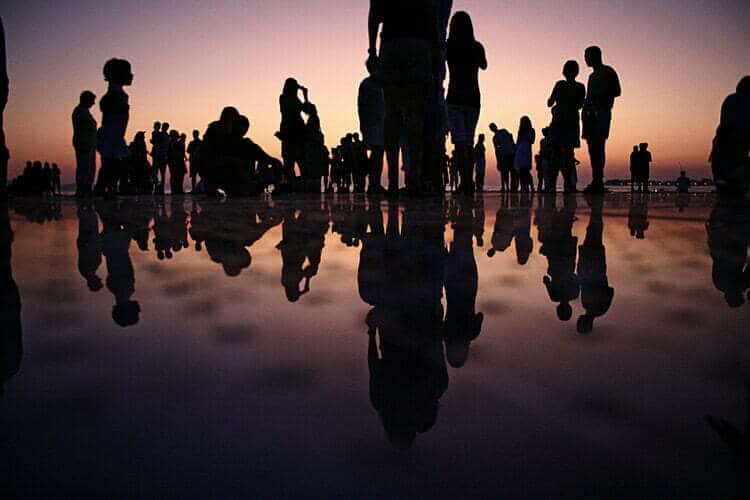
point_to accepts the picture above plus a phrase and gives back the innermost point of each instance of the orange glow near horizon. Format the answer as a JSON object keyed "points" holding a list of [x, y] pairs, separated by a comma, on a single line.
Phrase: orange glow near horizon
{"points": [[677, 62]]}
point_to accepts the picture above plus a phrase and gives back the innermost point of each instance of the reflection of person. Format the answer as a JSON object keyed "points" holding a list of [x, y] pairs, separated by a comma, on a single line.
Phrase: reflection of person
{"points": [[84, 143], [638, 216], [559, 246], [89, 247], [11, 349], [728, 240], [729, 157], [596, 294]]}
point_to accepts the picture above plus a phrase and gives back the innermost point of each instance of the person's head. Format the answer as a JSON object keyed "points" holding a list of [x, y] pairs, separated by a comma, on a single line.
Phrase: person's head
{"points": [[348, 138], [243, 125], [564, 311], [635, 148], [229, 117], [461, 29], [290, 87], [29, 164], [196, 135], [173, 134], [571, 70], [183, 137], [585, 324], [140, 137], [355, 137], [683, 173], [480, 139], [126, 313], [493, 127], [157, 126], [524, 126], [37, 164], [118, 72], [164, 127], [55, 167], [87, 99], [743, 87], [373, 66], [643, 146], [593, 56], [46, 165]]}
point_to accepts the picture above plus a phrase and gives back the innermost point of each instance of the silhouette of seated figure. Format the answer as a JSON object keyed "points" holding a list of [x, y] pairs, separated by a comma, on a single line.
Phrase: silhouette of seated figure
{"points": [[596, 294], [408, 375], [120, 274], [462, 323], [560, 247], [11, 348], [728, 238], [638, 216], [89, 245]]}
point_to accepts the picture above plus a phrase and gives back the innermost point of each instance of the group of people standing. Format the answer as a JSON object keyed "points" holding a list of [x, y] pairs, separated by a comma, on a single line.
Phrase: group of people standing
{"points": [[38, 179]]}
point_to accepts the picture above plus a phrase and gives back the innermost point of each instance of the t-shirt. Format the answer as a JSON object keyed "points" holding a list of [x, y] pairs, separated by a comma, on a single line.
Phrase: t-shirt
{"points": [[406, 19], [503, 142], [463, 64], [568, 98], [603, 88]]}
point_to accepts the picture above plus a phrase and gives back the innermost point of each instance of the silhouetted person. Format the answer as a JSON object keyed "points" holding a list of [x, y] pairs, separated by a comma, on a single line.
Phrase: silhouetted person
{"points": [[603, 88], [596, 294], [502, 233], [194, 152], [113, 175], [56, 180], [292, 129], [644, 166], [371, 109], [316, 154], [89, 244], [480, 163], [409, 52], [728, 239], [505, 150], [638, 216], [303, 236], [462, 323], [177, 168], [526, 138], [634, 168], [84, 143], [560, 247], [11, 348], [120, 274], [465, 58], [360, 167], [48, 179], [731, 146], [160, 154], [566, 101], [683, 183], [4, 86]]}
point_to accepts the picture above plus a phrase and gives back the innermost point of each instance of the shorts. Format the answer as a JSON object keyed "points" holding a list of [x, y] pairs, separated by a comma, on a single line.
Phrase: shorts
{"points": [[596, 125], [462, 123]]}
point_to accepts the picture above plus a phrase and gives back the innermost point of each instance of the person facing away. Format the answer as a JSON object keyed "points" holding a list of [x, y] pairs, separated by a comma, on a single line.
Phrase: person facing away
{"points": [[4, 85], [466, 57], [526, 138], [84, 143], [480, 163], [731, 146], [683, 183], [194, 152], [115, 116], [371, 110], [505, 150], [409, 51], [566, 101], [603, 88]]}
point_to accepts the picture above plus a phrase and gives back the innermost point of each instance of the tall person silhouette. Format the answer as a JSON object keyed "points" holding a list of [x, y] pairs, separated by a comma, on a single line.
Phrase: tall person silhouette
{"points": [[4, 84], [409, 52], [84, 143], [603, 88]]}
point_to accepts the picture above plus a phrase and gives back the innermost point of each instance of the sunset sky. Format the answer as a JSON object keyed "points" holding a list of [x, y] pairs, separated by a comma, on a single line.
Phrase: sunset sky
{"points": [[677, 61]]}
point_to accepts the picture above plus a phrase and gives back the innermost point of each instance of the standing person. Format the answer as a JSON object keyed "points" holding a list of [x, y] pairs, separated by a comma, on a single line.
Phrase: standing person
{"points": [[566, 101], [466, 57], [480, 162], [140, 169], [603, 88], [683, 183], [160, 155], [644, 164], [505, 150], [4, 85], [729, 157], [409, 51], [371, 110], [292, 129], [56, 181], [634, 168], [359, 156], [115, 115], [177, 168], [526, 138], [194, 151], [84, 143]]}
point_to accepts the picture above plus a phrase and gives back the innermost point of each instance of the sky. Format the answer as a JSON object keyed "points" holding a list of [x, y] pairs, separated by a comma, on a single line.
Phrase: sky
{"points": [[677, 61]]}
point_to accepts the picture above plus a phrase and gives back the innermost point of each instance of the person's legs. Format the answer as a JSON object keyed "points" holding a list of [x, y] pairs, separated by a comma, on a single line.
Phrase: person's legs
{"points": [[414, 105], [393, 122], [596, 154], [376, 168]]}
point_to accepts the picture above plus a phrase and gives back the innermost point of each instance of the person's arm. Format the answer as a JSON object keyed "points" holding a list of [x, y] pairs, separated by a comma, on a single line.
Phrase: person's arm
{"points": [[553, 96], [616, 88], [374, 20], [482, 57]]}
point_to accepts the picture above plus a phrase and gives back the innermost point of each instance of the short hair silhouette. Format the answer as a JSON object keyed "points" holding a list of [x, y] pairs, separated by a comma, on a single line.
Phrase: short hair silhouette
{"points": [[593, 56], [571, 69], [118, 72], [87, 98], [493, 126], [164, 126], [157, 125]]}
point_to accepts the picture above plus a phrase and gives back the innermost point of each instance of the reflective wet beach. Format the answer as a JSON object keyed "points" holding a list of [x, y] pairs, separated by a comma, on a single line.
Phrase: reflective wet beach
{"points": [[353, 348]]}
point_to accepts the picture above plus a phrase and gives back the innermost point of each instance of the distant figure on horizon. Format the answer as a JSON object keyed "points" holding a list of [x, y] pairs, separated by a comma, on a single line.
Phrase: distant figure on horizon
{"points": [[177, 169], [194, 152], [84, 143], [4, 86], [526, 138], [505, 150], [409, 51], [480, 163], [466, 57], [683, 183], [603, 88], [160, 154], [643, 168], [566, 101], [56, 180], [731, 146], [371, 110], [115, 115], [633, 168], [292, 129]]}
